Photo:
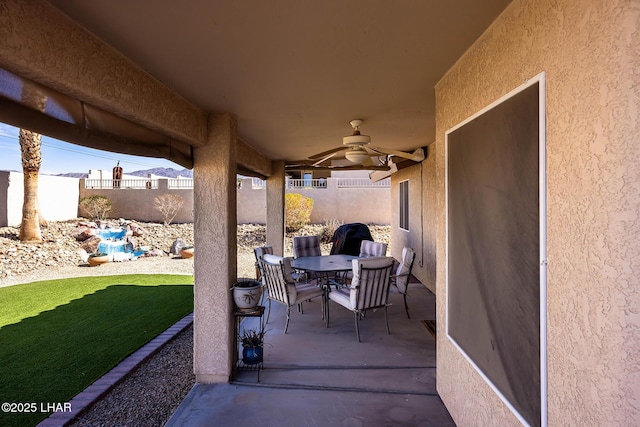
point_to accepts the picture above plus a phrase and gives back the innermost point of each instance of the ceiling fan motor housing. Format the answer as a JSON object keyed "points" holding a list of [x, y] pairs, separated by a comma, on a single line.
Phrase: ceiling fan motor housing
{"points": [[356, 139]]}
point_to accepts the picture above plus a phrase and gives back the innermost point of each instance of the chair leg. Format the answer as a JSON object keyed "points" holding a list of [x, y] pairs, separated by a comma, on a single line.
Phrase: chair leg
{"points": [[264, 296], [286, 325], [386, 320], [325, 303], [268, 312], [357, 326], [406, 307]]}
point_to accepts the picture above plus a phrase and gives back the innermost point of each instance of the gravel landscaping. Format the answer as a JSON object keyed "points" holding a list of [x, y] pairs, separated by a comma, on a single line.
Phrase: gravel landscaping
{"points": [[150, 394]]}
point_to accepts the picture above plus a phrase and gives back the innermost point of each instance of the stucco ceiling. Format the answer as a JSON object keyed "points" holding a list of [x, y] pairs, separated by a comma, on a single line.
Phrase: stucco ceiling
{"points": [[295, 72]]}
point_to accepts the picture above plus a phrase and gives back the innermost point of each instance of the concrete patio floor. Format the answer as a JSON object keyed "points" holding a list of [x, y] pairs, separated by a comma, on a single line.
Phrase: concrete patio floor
{"points": [[321, 376]]}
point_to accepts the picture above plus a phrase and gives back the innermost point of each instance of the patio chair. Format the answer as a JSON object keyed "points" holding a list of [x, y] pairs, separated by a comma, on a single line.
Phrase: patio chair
{"points": [[369, 289], [306, 246], [259, 252], [401, 278], [275, 270], [369, 248]]}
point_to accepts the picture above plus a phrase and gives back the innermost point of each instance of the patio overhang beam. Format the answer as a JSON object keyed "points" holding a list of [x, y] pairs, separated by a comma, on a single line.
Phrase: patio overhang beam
{"points": [[250, 162], [42, 45], [160, 146]]}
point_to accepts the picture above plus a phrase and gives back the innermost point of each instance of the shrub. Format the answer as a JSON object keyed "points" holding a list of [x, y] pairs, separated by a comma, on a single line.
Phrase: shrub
{"points": [[297, 211], [328, 229], [168, 205], [96, 207]]}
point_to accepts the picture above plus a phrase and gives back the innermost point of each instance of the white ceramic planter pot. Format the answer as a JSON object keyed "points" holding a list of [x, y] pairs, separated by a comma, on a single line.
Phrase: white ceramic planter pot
{"points": [[247, 298]]}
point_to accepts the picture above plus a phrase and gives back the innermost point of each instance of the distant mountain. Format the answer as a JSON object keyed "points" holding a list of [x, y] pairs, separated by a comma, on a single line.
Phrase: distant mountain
{"points": [[74, 175], [166, 172]]}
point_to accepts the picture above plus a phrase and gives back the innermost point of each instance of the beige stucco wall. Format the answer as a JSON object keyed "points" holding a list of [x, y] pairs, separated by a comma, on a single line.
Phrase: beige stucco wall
{"points": [[138, 204], [366, 205], [589, 52], [215, 264], [421, 236], [275, 208]]}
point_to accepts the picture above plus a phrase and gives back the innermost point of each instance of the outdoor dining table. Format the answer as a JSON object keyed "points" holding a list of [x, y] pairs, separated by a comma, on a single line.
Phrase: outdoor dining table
{"points": [[323, 266]]}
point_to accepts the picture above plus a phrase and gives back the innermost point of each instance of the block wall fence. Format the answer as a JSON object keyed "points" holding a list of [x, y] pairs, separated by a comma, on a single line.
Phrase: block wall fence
{"points": [[59, 197]]}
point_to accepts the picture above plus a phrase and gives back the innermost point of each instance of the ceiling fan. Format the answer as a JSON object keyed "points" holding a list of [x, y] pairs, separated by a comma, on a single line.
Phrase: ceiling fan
{"points": [[357, 149]]}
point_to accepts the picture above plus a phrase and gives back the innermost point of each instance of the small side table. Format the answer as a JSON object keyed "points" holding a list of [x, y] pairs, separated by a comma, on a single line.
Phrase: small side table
{"points": [[238, 316]]}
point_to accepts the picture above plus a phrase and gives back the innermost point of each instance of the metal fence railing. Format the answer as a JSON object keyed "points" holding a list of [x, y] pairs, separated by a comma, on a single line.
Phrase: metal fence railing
{"points": [[363, 183], [120, 183], [137, 184], [306, 183], [256, 183], [180, 183]]}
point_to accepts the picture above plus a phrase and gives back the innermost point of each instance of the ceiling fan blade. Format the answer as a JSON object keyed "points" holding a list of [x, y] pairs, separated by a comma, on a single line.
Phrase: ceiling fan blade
{"points": [[326, 153], [417, 155], [325, 158]]}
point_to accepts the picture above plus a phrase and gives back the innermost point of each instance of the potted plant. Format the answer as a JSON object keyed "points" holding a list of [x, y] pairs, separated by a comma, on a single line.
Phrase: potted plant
{"points": [[252, 342], [98, 258], [186, 252], [246, 294]]}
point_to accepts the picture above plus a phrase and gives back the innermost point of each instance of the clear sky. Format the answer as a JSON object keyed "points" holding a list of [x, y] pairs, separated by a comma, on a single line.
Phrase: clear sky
{"points": [[61, 157]]}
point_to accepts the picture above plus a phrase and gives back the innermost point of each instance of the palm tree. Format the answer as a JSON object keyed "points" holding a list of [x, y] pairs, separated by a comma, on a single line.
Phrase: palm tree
{"points": [[30, 143]]}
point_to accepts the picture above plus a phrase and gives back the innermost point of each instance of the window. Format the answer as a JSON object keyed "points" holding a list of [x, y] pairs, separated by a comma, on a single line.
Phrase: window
{"points": [[404, 205]]}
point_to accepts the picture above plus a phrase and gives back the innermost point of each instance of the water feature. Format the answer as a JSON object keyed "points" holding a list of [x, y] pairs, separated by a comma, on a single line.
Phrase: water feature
{"points": [[114, 244]]}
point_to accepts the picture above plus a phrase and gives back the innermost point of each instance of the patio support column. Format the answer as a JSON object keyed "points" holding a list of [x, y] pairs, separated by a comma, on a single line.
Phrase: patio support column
{"points": [[215, 263], [275, 208]]}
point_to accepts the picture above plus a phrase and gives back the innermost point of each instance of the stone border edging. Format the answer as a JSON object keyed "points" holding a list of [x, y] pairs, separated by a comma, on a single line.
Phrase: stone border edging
{"points": [[102, 385]]}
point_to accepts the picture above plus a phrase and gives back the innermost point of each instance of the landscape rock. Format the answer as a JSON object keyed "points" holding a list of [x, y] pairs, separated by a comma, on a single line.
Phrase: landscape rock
{"points": [[83, 232], [137, 230], [130, 243], [154, 252], [91, 244], [176, 246], [59, 250]]}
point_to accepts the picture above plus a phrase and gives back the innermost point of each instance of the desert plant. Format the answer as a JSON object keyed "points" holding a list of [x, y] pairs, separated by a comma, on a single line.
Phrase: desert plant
{"points": [[246, 283], [252, 338], [328, 229], [297, 211], [97, 207], [168, 205]]}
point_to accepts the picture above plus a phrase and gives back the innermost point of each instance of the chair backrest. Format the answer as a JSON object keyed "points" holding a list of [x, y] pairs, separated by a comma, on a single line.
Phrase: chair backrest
{"points": [[272, 268], [286, 265], [259, 252], [369, 248], [306, 246], [403, 272], [262, 250], [370, 283]]}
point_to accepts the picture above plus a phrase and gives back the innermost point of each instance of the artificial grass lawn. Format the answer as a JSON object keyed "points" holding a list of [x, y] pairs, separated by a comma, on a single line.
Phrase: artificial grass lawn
{"points": [[59, 336]]}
